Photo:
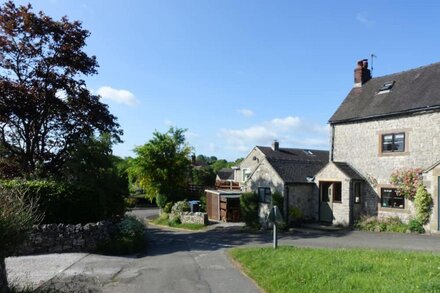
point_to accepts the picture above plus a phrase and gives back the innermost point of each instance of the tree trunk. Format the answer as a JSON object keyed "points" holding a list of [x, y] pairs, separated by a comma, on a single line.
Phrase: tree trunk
{"points": [[3, 276]]}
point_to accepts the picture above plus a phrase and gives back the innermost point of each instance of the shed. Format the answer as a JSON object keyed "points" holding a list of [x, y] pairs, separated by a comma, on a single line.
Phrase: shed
{"points": [[223, 205]]}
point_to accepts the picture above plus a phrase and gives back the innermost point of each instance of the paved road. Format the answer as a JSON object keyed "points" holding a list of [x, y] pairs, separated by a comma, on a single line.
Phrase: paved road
{"points": [[195, 261]]}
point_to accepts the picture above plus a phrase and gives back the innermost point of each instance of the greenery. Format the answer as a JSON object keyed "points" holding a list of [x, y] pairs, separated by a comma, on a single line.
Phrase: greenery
{"points": [[249, 209], [278, 200], [407, 181], [162, 166], [17, 215], [164, 220], [423, 204], [416, 226], [391, 224], [45, 107], [296, 216], [129, 238], [293, 269]]}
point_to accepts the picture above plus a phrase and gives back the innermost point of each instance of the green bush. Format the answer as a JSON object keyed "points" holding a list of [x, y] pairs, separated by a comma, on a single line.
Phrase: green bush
{"points": [[392, 224], [180, 207], [278, 200], [161, 200], [128, 238], [296, 216], [415, 226], [249, 209], [167, 208], [203, 203], [130, 202], [423, 204], [61, 202]]}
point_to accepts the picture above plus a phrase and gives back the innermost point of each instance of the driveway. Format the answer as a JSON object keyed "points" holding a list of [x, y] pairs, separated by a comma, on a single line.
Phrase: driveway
{"points": [[178, 261]]}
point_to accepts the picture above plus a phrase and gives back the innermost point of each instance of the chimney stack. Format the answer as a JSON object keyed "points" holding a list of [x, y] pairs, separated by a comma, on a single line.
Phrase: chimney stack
{"points": [[361, 74], [275, 145]]}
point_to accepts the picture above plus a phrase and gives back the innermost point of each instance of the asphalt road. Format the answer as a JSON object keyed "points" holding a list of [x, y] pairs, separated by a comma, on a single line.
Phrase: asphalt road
{"points": [[177, 261]]}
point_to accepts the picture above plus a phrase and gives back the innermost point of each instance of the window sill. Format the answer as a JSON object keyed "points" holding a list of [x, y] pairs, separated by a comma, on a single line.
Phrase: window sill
{"points": [[337, 202], [393, 154], [393, 210]]}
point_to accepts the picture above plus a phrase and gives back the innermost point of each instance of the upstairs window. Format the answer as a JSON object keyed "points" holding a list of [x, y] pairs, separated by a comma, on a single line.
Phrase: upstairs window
{"points": [[264, 194], [393, 142], [246, 174]]}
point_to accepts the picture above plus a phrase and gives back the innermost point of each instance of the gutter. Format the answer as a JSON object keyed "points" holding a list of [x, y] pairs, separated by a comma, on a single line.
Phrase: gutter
{"points": [[427, 108]]}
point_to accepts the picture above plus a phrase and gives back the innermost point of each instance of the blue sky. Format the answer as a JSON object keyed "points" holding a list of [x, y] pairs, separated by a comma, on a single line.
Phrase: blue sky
{"points": [[242, 73]]}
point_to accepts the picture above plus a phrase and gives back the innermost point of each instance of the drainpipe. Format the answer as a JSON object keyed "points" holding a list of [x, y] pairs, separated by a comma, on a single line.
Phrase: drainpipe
{"points": [[332, 141], [286, 209]]}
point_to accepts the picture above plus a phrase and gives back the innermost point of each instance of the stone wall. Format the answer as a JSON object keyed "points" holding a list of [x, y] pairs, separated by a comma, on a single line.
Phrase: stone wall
{"points": [[53, 238], [305, 197], [194, 218], [359, 145]]}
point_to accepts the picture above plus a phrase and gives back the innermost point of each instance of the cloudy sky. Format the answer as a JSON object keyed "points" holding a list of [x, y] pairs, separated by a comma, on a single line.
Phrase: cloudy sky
{"points": [[242, 73]]}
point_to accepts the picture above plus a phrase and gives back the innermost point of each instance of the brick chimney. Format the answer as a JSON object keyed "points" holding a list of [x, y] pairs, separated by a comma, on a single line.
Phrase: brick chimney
{"points": [[275, 145], [361, 74]]}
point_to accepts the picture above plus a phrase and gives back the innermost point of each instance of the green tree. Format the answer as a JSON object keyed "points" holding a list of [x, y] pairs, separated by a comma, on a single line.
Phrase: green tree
{"points": [[45, 106], [162, 165]]}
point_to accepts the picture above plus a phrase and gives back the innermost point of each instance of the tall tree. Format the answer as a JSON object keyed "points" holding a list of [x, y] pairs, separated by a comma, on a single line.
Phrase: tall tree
{"points": [[45, 107], [162, 165]]}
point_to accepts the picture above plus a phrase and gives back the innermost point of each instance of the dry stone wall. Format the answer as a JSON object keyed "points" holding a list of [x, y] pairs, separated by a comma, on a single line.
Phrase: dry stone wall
{"points": [[194, 218], [58, 238]]}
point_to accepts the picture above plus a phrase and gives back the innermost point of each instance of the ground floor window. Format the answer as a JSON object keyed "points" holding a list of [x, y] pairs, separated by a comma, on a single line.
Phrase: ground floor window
{"points": [[357, 192], [264, 194], [390, 198], [331, 192]]}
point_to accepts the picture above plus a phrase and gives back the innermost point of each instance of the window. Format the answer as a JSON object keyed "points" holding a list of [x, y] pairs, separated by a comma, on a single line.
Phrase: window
{"points": [[390, 199], [264, 194], [393, 142], [337, 195], [386, 87], [246, 174], [357, 192]]}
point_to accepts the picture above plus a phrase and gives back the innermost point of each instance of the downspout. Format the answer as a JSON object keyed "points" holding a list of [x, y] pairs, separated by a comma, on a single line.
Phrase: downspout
{"points": [[286, 209], [332, 143]]}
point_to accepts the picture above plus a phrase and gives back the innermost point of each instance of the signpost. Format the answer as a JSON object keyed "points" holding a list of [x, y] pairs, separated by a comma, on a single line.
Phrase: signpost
{"points": [[275, 218]]}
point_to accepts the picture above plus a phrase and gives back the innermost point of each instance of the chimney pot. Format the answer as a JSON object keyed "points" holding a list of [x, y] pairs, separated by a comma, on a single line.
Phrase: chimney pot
{"points": [[361, 74], [275, 145]]}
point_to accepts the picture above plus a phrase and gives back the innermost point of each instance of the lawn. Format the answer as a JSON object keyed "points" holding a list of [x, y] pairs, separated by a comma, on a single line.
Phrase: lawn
{"points": [[164, 222], [292, 269]]}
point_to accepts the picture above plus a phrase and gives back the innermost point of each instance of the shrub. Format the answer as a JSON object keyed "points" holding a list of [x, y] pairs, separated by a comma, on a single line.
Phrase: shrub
{"points": [[415, 226], [167, 208], [128, 238], [203, 203], [296, 216], [391, 224], [161, 200], [180, 207], [249, 209], [17, 215], [130, 202], [423, 205], [278, 200]]}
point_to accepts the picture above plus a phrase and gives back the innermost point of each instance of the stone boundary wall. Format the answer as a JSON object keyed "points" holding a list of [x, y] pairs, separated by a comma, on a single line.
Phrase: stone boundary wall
{"points": [[58, 238], [194, 218]]}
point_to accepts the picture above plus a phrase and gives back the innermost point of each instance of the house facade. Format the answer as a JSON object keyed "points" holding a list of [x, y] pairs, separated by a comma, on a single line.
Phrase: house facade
{"points": [[385, 124], [288, 171]]}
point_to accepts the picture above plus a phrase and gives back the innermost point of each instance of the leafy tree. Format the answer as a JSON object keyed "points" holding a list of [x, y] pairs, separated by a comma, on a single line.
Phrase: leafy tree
{"points": [[162, 165], [204, 176], [45, 107]]}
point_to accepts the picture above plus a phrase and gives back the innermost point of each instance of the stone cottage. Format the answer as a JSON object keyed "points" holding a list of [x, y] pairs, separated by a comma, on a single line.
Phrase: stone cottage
{"points": [[288, 171], [384, 124]]}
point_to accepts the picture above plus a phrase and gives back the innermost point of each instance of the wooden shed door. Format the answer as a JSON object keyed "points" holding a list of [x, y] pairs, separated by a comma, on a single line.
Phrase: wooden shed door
{"points": [[212, 206]]}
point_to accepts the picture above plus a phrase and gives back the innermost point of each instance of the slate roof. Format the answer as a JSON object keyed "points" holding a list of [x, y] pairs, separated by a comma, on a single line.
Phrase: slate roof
{"points": [[414, 90], [226, 174], [295, 165], [348, 171]]}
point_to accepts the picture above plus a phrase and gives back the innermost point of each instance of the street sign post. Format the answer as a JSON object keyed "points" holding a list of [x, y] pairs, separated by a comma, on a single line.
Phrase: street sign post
{"points": [[275, 218]]}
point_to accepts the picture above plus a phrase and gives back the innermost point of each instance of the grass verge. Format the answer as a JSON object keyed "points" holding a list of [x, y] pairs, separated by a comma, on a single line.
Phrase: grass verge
{"points": [[164, 221], [293, 269]]}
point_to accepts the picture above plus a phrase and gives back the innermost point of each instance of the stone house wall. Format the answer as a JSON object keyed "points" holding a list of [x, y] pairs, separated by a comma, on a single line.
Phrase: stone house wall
{"points": [[358, 143], [305, 197], [431, 179]]}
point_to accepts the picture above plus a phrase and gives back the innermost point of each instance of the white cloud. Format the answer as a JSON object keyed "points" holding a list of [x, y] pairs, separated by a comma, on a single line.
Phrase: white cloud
{"points": [[117, 95], [290, 131], [168, 122], [246, 112], [363, 18]]}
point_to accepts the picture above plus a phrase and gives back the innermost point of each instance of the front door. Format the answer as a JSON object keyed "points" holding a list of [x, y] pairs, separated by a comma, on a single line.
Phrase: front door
{"points": [[326, 202]]}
